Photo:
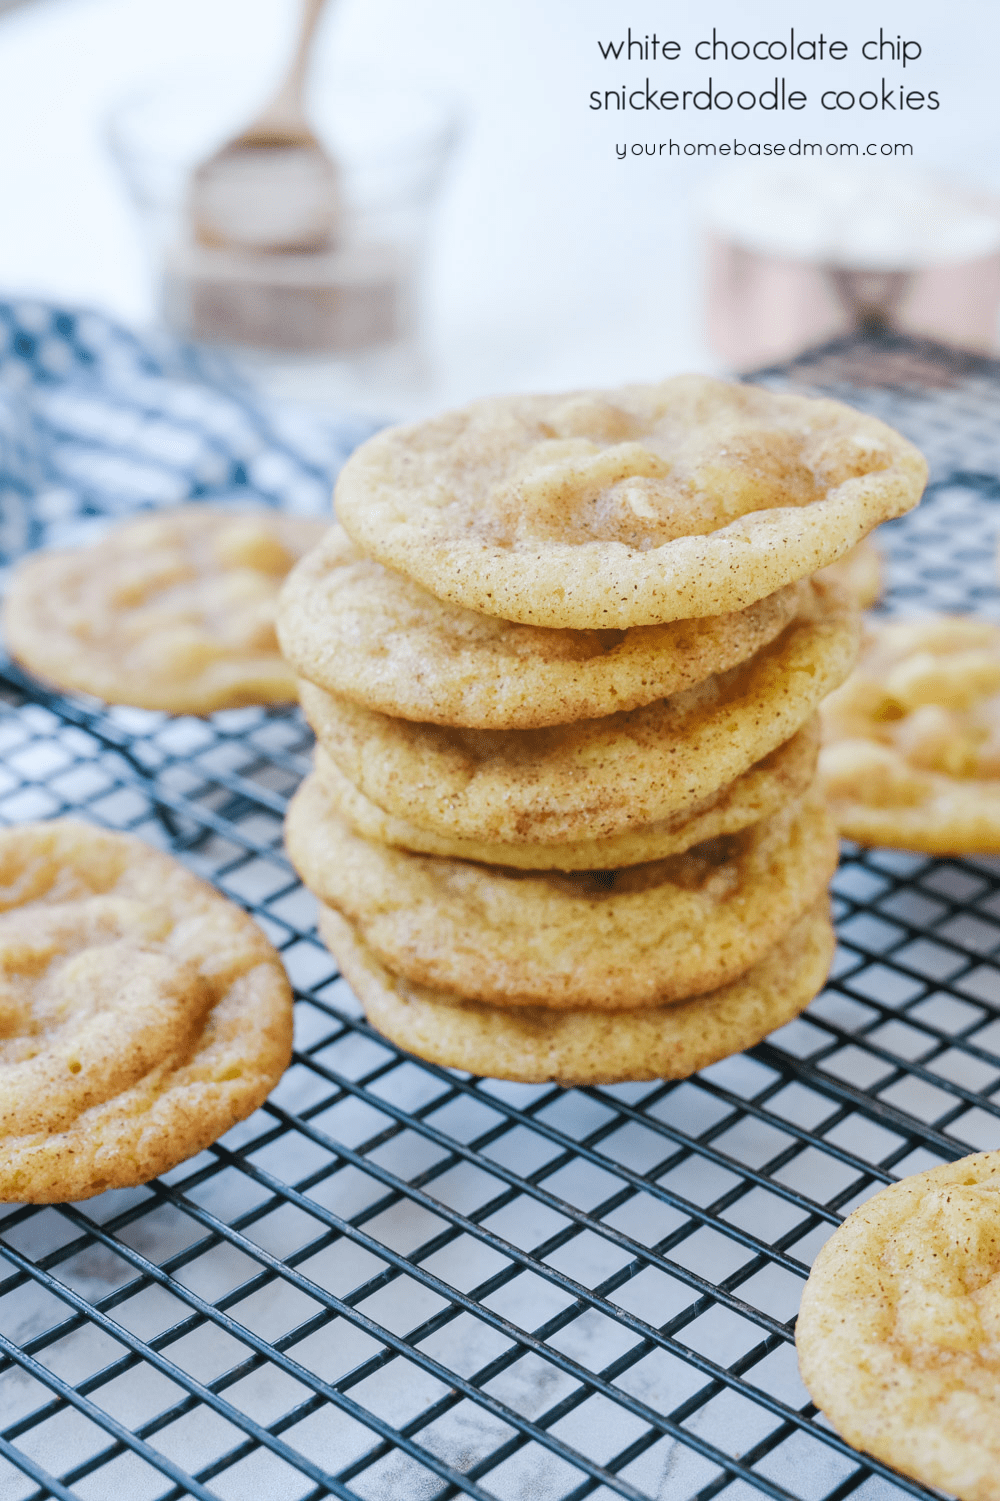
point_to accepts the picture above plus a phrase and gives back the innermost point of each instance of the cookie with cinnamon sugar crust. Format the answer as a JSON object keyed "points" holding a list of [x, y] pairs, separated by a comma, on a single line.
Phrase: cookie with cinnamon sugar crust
{"points": [[142, 1012], [911, 755], [612, 509], [171, 610], [371, 635], [579, 1047], [776, 780], [597, 778], [611, 940], [899, 1331]]}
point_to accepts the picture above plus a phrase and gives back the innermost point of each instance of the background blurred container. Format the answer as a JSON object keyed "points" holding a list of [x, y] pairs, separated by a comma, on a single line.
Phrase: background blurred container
{"points": [[346, 317], [799, 253]]}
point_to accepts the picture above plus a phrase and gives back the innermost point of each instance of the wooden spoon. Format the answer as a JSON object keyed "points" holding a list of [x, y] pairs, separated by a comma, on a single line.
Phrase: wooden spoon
{"points": [[273, 187]]}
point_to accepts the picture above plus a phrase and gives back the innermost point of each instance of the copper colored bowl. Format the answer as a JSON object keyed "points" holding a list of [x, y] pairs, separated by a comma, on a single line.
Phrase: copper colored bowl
{"points": [[763, 308]]}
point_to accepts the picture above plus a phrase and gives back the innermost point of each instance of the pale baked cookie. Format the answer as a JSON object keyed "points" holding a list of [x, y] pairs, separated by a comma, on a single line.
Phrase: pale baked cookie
{"points": [[912, 752], [860, 573], [780, 778], [172, 610], [371, 635], [589, 1047], [899, 1333], [141, 1013], [600, 777], [613, 940], [630, 507]]}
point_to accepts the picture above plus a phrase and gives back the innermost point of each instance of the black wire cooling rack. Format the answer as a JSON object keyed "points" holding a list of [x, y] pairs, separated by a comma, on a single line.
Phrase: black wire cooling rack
{"points": [[398, 1282]]}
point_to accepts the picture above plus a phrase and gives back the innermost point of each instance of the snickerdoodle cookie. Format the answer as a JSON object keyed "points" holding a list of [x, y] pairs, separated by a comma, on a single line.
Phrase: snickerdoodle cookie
{"points": [[599, 777], [912, 752], [610, 509], [614, 940], [860, 573], [780, 778], [143, 1013], [171, 610], [899, 1333], [587, 1046], [371, 635]]}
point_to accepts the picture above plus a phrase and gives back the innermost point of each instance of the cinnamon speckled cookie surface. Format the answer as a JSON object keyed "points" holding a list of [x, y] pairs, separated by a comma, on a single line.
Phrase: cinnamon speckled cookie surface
{"points": [[610, 509], [371, 635], [586, 1046], [911, 757], [860, 573], [780, 778], [613, 940], [599, 777], [141, 1013], [899, 1332], [171, 610]]}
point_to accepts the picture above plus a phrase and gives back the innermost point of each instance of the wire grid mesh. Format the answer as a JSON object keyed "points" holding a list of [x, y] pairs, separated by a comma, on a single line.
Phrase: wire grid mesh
{"points": [[398, 1281]]}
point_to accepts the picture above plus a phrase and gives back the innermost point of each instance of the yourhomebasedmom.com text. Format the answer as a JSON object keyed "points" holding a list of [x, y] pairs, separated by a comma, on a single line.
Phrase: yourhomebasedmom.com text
{"points": [[762, 148]]}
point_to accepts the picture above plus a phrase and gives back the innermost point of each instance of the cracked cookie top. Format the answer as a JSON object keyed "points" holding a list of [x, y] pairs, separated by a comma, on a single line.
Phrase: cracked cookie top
{"points": [[610, 509]]}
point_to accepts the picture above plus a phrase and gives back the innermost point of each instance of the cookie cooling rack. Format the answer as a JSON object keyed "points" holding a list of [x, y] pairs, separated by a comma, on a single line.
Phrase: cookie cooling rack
{"points": [[396, 1282]]}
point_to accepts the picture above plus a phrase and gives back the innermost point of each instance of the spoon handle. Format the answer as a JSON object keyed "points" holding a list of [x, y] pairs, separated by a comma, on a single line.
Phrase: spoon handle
{"points": [[285, 115]]}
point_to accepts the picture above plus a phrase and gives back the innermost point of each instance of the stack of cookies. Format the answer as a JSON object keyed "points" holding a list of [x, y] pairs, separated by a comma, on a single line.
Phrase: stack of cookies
{"points": [[563, 657]]}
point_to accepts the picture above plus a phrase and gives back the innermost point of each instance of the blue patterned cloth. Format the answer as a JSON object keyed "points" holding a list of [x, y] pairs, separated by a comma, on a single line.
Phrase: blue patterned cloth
{"points": [[97, 421]]}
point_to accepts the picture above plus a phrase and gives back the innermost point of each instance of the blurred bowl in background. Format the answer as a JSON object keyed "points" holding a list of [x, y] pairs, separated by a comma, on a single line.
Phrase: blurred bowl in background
{"points": [[351, 315], [801, 252]]}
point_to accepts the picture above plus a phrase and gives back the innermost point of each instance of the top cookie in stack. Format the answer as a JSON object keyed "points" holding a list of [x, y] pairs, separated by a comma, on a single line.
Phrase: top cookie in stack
{"points": [[623, 508], [563, 662]]}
